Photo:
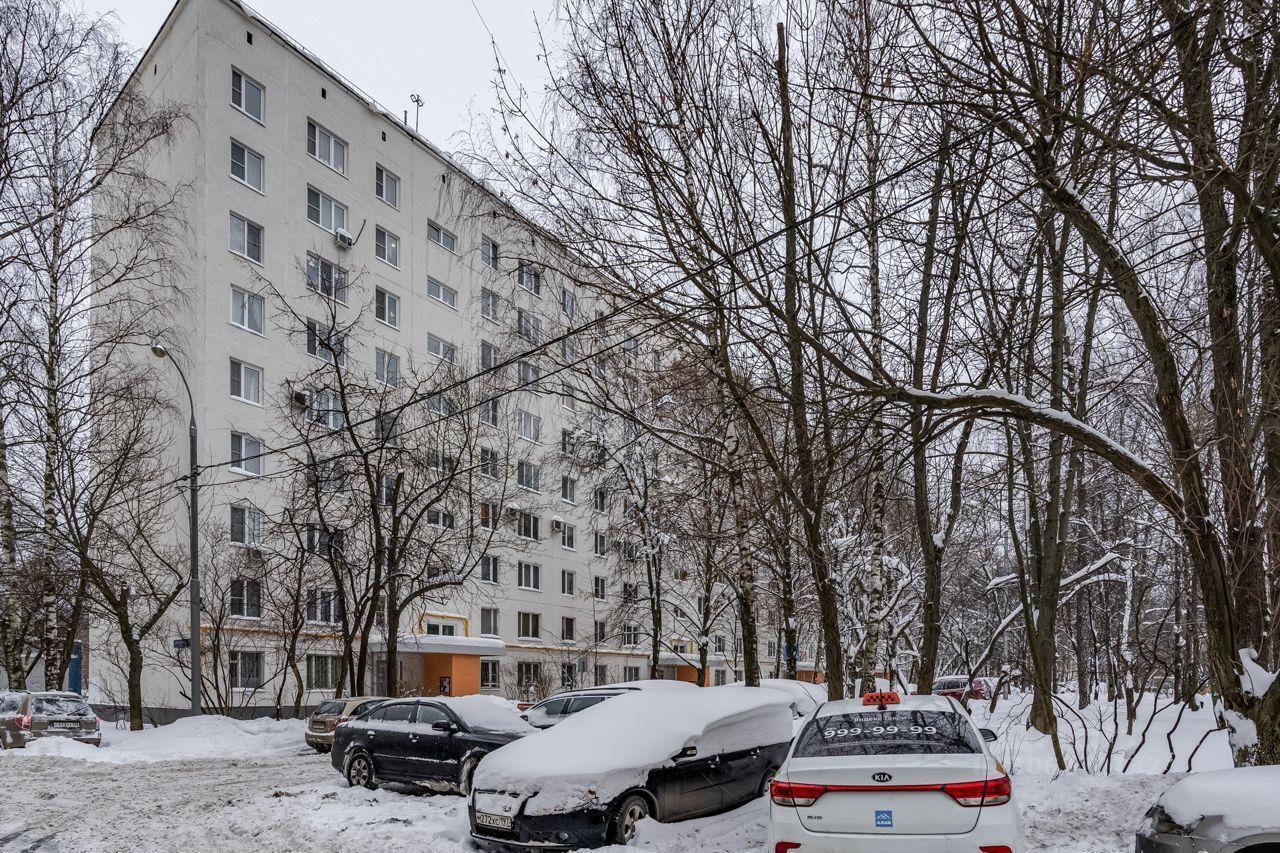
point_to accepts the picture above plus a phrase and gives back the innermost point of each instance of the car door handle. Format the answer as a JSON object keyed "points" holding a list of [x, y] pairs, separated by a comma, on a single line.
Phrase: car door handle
{"points": [[413, 738], [371, 734]]}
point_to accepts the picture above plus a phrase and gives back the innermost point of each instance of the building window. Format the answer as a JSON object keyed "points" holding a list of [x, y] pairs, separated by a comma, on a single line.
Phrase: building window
{"points": [[528, 575], [327, 148], [569, 537], [246, 238], [386, 246], [247, 95], [326, 409], [386, 186], [439, 404], [568, 303], [568, 582], [568, 490], [489, 463], [246, 165], [322, 672], [488, 413], [489, 514], [488, 304], [440, 236], [324, 543], [528, 326], [599, 587], [324, 343], [529, 277], [386, 307], [599, 499], [528, 425], [387, 490], [327, 279], [246, 309], [324, 211], [246, 454], [489, 569], [387, 367], [442, 349], [528, 475], [629, 592], [527, 526], [529, 376], [568, 397], [489, 251], [568, 675], [568, 629], [530, 626], [630, 635], [631, 673], [246, 382], [601, 545], [719, 644], [440, 518], [602, 631], [246, 598], [437, 629], [324, 605], [602, 675], [245, 670], [720, 676], [528, 674], [489, 675], [771, 649], [442, 292]]}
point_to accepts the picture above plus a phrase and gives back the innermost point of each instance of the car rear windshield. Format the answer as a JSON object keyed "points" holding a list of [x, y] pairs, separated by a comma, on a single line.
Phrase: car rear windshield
{"points": [[61, 706], [330, 708], [888, 733]]}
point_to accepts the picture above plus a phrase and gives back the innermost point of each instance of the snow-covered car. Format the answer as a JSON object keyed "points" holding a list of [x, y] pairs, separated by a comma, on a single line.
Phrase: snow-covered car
{"points": [[1218, 811], [956, 686], [325, 718], [666, 754], [887, 772], [805, 697], [27, 716], [431, 743], [550, 711]]}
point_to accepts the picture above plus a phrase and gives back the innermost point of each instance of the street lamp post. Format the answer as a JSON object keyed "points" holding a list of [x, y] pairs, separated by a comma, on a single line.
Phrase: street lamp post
{"points": [[193, 480]]}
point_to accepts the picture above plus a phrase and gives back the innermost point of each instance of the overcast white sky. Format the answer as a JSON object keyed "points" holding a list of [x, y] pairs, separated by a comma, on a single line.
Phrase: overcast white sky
{"points": [[392, 48]]}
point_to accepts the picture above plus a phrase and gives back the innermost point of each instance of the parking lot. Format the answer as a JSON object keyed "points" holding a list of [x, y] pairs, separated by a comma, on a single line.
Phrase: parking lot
{"points": [[269, 796]]}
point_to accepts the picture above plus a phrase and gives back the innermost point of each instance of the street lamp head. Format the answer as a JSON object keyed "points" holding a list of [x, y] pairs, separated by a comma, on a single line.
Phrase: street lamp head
{"points": [[158, 349]]}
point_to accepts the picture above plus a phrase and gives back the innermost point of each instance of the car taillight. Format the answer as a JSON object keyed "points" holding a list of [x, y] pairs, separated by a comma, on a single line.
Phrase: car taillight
{"points": [[988, 792], [24, 722], [795, 793], [995, 848], [786, 846]]}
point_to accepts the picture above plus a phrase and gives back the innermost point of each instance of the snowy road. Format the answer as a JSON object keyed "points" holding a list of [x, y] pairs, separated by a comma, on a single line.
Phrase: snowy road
{"points": [[293, 801]]}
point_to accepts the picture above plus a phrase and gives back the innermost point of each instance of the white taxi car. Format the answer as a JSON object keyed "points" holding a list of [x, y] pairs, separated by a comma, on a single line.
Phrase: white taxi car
{"points": [[889, 773]]}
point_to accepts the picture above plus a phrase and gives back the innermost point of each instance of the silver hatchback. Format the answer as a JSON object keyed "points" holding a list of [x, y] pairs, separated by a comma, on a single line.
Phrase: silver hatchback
{"points": [[27, 716], [1218, 811]]}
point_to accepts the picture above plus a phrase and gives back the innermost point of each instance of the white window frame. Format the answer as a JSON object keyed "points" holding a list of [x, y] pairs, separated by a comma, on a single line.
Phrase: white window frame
{"points": [[568, 582], [250, 523], [442, 349], [530, 522], [242, 365], [240, 453], [387, 304], [317, 134], [527, 572], [337, 278], [529, 277], [490, 252], [248, 153], [262, 95], [569, 490], [390, 246], [237, 663], [382, 178], [599, 587], [569, 537], [528, 475], [326, 203], [442, 293], [442, 237], [495, 616], [490, 674], [334, 352], [528, 619], [489, 304], [490, 569], [241, 318], [244, 224], [386, 367], [528, 426]]}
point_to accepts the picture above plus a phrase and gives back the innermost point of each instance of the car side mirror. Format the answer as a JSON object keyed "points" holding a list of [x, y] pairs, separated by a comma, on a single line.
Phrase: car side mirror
{"points": [[987, 735], [524, 717], [687, 752], [444, 726]]}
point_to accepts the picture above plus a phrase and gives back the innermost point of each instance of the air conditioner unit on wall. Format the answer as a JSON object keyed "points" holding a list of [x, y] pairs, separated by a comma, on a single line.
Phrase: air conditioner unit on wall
{"points": [[343, 238]]}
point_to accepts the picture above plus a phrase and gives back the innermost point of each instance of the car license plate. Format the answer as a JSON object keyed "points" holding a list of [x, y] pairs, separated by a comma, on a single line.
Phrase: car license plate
{"points": [[65, 725], [497, 821]]}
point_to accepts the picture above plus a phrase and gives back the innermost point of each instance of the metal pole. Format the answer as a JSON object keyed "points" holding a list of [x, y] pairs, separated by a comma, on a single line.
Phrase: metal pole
{"points": [[195, 567]]}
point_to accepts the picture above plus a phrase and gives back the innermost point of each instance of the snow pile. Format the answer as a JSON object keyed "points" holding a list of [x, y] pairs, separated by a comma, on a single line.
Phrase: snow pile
{"points": [[491, 713], [1243, 797], [203, 737], [600, 752]]}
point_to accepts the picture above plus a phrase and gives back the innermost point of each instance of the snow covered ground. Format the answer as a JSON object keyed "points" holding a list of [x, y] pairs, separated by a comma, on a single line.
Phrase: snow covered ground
{"points": [[215, 784]]}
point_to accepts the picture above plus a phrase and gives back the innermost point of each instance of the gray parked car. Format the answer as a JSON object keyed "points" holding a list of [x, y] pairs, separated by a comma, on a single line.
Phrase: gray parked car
{"points": [[1219, 811], [26, 716], [325, 718]]}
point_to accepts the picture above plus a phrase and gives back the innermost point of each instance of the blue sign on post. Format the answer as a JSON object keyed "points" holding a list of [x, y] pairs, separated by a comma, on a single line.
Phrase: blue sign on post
{"points": [[75, 669], [884, 819]]}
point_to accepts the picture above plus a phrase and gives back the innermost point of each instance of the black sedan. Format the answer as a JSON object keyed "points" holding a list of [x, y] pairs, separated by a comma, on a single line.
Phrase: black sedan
{"points": [[429, 743]]}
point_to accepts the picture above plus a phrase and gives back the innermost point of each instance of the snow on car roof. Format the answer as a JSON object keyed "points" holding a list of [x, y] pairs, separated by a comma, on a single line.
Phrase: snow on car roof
{"points": [[1243, 797], [607, 748], [907, 703], [492, 713]]}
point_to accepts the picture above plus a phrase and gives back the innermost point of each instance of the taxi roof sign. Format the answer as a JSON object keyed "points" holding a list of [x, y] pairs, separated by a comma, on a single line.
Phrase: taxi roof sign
{"points": [[882, 698]]}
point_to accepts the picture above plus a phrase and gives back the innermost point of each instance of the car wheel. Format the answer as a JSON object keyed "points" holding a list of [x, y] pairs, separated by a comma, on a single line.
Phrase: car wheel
{"points": [[767, 781], [466, 773], [360, 772], [631, 811]]}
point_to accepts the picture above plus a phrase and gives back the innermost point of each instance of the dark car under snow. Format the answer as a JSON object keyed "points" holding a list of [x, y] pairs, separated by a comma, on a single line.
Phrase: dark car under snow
{"points": [[430, 743]]}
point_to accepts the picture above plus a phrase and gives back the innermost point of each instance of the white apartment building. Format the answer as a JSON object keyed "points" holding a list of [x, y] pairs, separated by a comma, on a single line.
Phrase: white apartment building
{"points": [[310, 206]]}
